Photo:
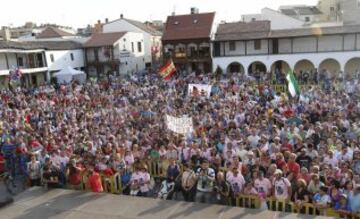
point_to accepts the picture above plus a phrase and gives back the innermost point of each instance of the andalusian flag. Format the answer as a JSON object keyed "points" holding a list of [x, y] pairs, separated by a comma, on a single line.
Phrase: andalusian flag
{"points": [[167, 70], [293, 86]]}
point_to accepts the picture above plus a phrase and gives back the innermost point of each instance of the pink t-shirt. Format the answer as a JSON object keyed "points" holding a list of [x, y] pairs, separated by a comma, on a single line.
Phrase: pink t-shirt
{"points": [[237, 182], [143, 179], [281, 188], [263, 186]]}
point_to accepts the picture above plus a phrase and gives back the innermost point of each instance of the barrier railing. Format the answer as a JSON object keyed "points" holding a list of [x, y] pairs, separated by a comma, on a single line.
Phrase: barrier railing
{"points": [[112, 184]]}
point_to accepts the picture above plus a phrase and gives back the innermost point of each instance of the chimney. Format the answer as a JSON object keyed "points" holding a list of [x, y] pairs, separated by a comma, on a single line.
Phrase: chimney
{"points": [[194, 10], [6, 34], [121, 16], [106, 20]]}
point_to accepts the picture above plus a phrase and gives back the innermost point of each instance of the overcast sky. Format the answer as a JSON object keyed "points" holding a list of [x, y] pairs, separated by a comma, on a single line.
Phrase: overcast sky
{"points": [[79, 13]]}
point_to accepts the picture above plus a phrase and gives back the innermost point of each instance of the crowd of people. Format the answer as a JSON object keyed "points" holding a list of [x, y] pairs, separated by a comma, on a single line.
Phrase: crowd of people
{"points": [[247, 139]]}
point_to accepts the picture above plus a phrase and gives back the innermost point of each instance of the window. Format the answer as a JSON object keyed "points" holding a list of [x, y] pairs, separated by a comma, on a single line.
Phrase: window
{"points": [[139, 47], [332, 9], [72, 57], [52, 58], [253, 19], [307, 19], [132, 47], [257, 44], [20, 61], [232, 46]]}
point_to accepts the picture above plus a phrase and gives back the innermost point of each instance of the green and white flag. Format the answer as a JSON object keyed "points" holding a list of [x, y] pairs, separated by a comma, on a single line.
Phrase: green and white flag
{"points": [[293, 86]]}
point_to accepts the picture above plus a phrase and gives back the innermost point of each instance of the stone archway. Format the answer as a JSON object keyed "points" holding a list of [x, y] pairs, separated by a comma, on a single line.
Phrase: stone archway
{"points": [[331, 66], [352, 67], [280, 65], [257, 66], [304, 65], [235, 67]]}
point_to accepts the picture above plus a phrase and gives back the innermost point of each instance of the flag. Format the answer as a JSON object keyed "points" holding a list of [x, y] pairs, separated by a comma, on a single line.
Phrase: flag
{"points": [[167, 70], [293, 86]]}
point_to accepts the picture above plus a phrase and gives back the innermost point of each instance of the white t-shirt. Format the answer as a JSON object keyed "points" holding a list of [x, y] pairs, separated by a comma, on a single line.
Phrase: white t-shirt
{"points": [[331, 161], [281, 188]]}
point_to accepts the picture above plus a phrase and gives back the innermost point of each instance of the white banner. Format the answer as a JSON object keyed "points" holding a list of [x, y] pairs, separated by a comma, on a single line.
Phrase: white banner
{"points": [[199, 90], [182, 125]]}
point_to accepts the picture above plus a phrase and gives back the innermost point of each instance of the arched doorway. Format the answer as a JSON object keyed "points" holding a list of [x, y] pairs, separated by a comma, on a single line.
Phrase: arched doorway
{"points": [[304, 71], [235, 67], [331, 66], [352, 67], [257, 67], [304, 65], [281, 66]]}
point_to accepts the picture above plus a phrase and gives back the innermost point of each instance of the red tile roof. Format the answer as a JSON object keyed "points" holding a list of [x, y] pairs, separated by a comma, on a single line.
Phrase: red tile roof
{"points": [[185, 27], [53, 32], [104, 39]]}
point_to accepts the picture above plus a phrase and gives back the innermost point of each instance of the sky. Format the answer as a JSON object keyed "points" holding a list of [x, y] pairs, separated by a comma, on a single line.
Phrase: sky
{"points": [[79, 13]]}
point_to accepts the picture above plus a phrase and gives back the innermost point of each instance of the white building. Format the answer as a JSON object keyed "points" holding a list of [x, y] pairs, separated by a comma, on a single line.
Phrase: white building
{"points": [[278, 19], [38, 60], [346, 11], [248, 47], [114, 53], [152, 37], [307, 14]]}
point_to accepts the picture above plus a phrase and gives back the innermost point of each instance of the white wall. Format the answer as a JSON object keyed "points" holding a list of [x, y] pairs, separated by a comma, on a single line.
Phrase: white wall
{"points": [[280, 21], [251, 49], [122, 25], [304, 44], [284, 46], [349, 42], [62, 59], [130, 62], [330, 43], [240, 48], [3, 65]]}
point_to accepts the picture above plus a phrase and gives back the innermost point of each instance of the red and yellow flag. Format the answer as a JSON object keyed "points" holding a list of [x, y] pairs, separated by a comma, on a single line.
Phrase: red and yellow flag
{"points": [[167, 70]]}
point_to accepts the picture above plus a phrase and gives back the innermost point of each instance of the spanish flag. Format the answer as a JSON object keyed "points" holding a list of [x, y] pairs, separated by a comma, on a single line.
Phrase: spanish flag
{"points": [[167, 70]]}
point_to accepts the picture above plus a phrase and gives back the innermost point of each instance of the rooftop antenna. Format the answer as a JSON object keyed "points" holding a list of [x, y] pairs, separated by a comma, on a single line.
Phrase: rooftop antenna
{"points": [[174, 9]]}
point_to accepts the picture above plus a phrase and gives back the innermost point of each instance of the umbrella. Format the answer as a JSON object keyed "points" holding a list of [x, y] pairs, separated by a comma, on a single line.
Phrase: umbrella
{"points": [[294, 120]]}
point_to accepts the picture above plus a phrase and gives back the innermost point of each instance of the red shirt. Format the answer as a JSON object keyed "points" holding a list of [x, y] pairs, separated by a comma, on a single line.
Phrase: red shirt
{"points": [[280, 164], [2, 162], [294, 168], [95, 182], [286, 147]]}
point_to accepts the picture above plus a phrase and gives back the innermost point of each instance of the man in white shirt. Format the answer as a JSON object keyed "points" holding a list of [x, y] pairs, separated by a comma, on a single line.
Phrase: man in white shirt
{"points": [[253, 139], [205, 185]]}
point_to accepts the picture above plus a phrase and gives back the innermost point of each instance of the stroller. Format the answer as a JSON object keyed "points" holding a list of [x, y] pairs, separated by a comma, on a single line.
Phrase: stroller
{"points": [[166, 188]]}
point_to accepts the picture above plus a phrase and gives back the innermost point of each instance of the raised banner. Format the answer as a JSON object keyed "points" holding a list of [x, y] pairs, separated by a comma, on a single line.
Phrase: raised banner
{"points": [[198, 90], [183, 125]]}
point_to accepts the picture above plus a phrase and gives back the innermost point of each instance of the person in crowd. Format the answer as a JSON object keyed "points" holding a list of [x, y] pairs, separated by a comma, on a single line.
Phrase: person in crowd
{"points": [[322, 200], [188, 183], [110, 127], [222, 189], [281, 187], [205, 183], [94, 181], [34, 171]]}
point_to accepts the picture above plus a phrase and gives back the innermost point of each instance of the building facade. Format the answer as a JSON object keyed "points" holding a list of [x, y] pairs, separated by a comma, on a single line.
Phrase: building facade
{"points": [[187, 41], [114, 54], [347, 11], [250, 47], [152, 37], [38, 60]]}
